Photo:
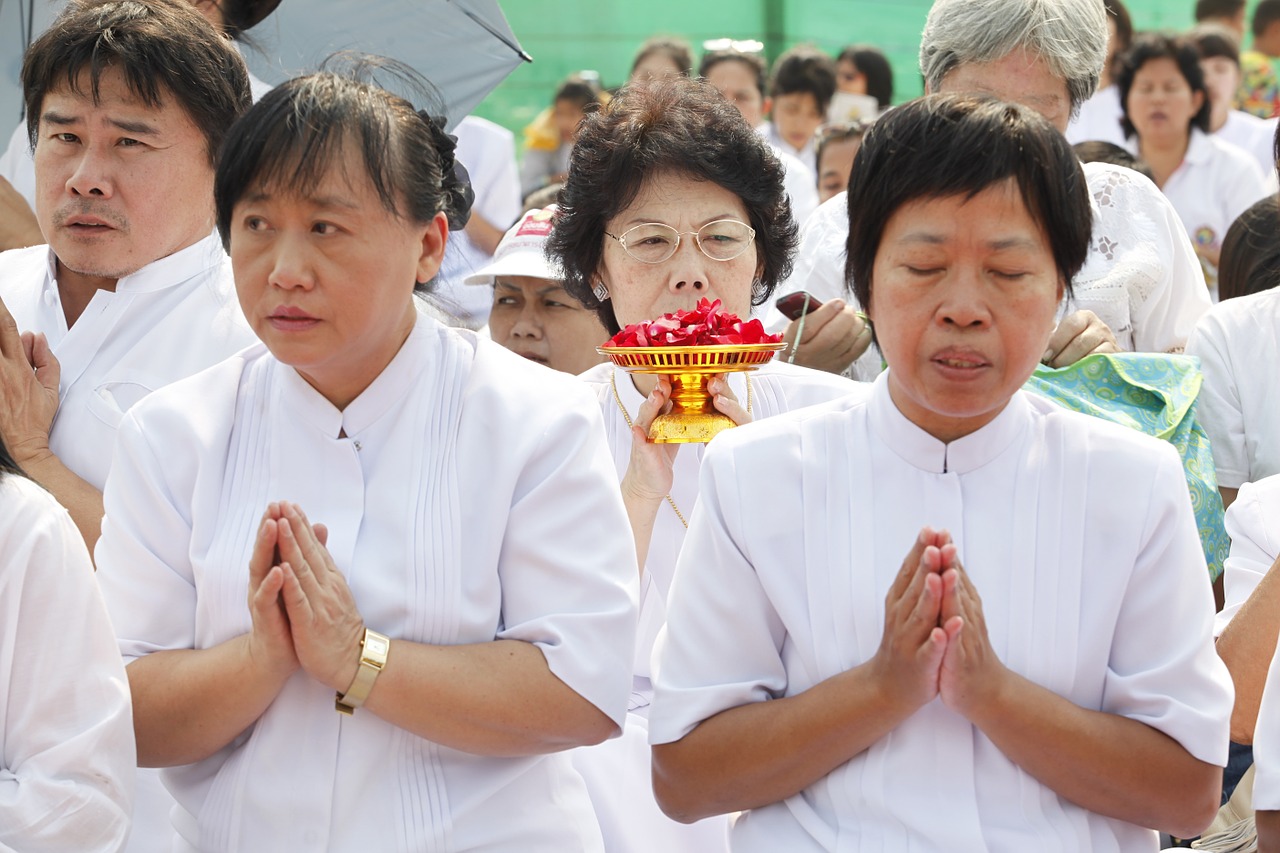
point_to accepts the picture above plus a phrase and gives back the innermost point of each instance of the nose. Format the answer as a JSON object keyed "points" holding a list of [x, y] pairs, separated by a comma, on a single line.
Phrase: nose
{"points": [[964, 303], [291, 266], [92, 175], [688, 269], [529, 324]]}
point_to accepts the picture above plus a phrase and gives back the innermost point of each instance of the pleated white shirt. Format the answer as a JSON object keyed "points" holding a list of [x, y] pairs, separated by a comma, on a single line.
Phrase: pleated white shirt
{"points": [[1091, 587], [469, 497]]}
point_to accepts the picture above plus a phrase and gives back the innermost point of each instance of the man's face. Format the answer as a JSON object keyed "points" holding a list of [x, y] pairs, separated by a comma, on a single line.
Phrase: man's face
{"points": [[119, 184]]}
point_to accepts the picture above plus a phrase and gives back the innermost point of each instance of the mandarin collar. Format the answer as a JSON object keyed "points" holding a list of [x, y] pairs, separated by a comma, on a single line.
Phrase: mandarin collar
{"points": [[391, 387], [921, 450]]}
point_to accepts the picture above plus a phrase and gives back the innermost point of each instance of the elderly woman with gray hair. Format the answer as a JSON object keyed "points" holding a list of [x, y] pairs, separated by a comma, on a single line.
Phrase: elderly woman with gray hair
{"points": [[1141, 288]]}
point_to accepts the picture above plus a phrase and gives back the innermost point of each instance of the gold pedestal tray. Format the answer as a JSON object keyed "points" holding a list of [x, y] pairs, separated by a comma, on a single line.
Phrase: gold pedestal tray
{"points": [[693, 418]]}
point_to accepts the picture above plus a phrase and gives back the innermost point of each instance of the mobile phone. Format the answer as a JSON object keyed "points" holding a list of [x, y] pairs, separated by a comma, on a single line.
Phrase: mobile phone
{"points": [[795, 305]]}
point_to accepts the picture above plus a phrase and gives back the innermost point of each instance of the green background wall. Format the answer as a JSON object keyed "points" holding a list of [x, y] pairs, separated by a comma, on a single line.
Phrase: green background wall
{"points": [[564, 36]]}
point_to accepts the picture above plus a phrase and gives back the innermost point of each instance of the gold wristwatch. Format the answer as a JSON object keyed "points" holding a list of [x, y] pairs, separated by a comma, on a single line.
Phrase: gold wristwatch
{"points": [[373, 657]]}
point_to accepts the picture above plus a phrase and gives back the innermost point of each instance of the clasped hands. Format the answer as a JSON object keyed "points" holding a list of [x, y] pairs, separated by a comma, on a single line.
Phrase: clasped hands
{"points": [[935, 640], [303, 612]]}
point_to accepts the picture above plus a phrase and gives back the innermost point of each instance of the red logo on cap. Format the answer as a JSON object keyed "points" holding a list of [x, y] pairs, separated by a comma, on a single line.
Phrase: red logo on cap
{"points": [[537, 223]]}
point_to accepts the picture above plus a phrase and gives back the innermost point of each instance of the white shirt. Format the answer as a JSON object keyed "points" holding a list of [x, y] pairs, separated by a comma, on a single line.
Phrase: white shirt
{"points": [[469, 497], [170, 319], [1253, 524], [1255, 136], [1090, 589], [67, 752], [1099, 118], [617, 772], [488, 152], [807, 155], [1141, 277], [1215, 183], [1238, 343]]}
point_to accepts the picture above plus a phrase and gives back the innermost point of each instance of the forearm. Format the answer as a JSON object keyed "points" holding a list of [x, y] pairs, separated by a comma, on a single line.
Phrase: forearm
{"points": [[1105, 763], [190, 703], [81, 500], [1268, 824], [483, 233], [642, 512], [764, 752], [498, 698], [1246, 647]]}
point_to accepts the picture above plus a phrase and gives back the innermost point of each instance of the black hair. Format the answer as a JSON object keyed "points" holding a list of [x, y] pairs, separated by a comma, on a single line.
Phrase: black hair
{"points": [[801, 69], [1117, 12], [162, 48], [675, 49], [1250, 258], [831, 133], [1265, 14], [579, 90], [1150, 46], [941, 146], [753, 61], [7, 464], [241, 15], [297, 131], [676, 126], [1215, 41], [874, 66], [1098, 151], [1218, 8]]}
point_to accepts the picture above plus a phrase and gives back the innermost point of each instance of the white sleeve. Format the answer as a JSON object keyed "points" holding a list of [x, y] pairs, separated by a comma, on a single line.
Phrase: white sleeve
{"points": [[143, 556], [69, 761], [1164, 320], [568, 563], [489, 156], [1253, 545], [722, 645], [1163, 670], [1219, 407]]}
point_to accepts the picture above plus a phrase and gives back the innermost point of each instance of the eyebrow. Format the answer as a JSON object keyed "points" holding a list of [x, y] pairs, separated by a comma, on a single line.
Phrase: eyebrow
{"points": [[930, 239], [138, 128], [321, 201], [641, 220], [497, 282]]}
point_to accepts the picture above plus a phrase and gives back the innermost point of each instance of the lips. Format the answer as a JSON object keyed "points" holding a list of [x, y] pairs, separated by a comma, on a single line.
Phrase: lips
{"points": [[961, 360], [289, 318], [539, 359]]}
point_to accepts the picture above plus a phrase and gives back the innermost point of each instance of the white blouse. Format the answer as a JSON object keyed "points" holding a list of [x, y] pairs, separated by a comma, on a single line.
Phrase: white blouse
{"points": [[1253, 525], [67, 752], [469, 497], [1141, 277], [1090, 588]]}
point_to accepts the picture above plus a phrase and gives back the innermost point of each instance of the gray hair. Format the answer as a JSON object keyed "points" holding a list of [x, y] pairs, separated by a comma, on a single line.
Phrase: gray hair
{"points": [[1069, 35]]}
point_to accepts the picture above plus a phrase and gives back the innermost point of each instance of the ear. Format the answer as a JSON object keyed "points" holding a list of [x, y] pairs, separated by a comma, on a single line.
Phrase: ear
{"points": [[434, 236], [767, 106]]}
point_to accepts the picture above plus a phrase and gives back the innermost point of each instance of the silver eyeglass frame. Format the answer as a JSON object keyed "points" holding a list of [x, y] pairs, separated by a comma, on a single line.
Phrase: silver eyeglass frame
{"points": [[697, 241]]}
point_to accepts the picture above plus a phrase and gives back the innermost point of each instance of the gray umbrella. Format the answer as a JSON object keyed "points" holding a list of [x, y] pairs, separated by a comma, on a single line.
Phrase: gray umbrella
{"points": [[464, 47]]}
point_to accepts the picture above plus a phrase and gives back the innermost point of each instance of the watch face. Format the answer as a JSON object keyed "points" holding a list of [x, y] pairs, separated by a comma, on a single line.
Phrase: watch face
{"points": [[376, 647]]}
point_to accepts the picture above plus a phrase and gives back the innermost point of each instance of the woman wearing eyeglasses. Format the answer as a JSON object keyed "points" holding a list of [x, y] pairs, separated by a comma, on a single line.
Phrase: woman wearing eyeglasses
{"points": [[670, 198]]}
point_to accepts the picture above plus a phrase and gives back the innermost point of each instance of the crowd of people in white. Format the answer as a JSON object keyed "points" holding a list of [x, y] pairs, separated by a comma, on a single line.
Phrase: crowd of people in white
{"points": [[324, 526]]}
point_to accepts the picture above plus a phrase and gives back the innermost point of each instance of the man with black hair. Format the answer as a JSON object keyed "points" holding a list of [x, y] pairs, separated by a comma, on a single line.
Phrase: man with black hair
{"points": [[127, 104]]}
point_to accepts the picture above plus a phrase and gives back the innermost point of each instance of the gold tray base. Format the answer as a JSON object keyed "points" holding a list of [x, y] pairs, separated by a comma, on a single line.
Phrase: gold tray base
{"points": [[688, 427]]}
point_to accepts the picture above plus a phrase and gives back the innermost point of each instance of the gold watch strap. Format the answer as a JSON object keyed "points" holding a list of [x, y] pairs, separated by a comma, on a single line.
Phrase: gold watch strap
{"points": [[374, 648]]}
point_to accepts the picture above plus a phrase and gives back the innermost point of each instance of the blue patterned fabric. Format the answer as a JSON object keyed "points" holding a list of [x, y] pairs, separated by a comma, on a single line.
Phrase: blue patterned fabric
{"points": [[1157, 395]]}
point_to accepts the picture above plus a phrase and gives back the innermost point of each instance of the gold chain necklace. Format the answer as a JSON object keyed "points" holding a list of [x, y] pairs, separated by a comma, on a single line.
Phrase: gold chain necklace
{"points": [[613, 383]]}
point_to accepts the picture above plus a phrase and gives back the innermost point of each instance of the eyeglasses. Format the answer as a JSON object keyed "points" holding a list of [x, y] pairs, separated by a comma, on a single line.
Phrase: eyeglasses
{"points": [[654, 242]]}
